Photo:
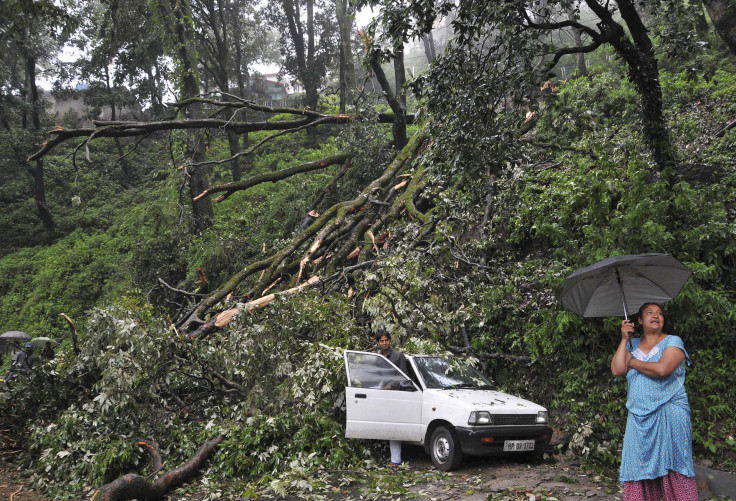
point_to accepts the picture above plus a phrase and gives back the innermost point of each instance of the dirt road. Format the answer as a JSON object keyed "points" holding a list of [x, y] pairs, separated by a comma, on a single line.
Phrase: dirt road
{"points": [[479, 479]]}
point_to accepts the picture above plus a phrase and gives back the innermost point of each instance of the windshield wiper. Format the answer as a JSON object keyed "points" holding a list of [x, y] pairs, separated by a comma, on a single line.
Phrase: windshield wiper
{"points": [[469, 386], [486, 387]]}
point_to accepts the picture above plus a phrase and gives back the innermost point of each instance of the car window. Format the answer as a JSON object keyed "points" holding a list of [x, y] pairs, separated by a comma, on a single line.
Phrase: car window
{"points": [[438, 372], [371, 370]]}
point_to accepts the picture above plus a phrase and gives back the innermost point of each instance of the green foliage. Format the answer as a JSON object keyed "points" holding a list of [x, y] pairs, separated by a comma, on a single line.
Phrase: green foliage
{"points": [[508, 217]]}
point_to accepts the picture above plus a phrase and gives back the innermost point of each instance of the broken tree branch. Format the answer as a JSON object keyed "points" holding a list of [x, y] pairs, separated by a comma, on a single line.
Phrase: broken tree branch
{"points": [[134, 486], [73, 327], [133, 129], [272, 177]]}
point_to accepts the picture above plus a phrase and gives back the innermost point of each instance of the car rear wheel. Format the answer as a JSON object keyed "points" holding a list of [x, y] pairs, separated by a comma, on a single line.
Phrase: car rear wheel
{"points": [[445, 449]]}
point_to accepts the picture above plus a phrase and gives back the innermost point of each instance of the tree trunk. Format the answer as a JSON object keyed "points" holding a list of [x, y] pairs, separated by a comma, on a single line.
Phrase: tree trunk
{"points": [[400, 74], [399, 127], [644, 74], [304, 52], [429, 50], [723, 15], [118, 145], [343, 84], [157, 100], [577, 38], [232, 141], [345, 12], [39, 188], [242, 79], [177, 14]]}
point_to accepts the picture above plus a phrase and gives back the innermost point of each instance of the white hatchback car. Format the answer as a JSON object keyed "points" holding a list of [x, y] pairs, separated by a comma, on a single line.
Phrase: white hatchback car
{"points": [[449, 408]]}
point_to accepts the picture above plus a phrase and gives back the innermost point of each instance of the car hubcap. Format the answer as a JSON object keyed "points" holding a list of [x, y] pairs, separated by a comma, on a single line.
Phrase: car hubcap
{"points": [[441, 449]]}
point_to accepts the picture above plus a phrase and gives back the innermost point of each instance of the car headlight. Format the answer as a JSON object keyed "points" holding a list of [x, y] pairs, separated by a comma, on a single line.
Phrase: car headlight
{"points": [[479, 417], [542, 417]]}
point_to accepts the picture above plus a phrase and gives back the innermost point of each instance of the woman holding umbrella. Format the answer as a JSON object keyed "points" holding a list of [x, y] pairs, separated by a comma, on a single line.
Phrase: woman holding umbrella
{"points": [[657, 460]]}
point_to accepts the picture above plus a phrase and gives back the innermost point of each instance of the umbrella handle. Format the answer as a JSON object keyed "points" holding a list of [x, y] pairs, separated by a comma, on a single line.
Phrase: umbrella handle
{"points": [[623, 299]]}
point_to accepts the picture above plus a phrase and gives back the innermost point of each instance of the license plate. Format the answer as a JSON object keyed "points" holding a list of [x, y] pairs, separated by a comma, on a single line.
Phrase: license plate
{"points": [[518, 445]]}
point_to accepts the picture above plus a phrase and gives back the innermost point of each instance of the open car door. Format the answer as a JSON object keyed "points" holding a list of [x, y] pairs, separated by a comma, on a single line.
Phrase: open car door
{"points": [[381, 401]]}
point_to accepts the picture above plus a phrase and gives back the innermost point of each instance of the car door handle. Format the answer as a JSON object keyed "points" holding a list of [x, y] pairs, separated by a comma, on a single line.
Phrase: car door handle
{"points": [[360, 395]]}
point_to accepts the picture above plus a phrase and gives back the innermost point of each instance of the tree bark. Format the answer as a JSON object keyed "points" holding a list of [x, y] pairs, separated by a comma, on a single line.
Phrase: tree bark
{"points": [[643, 71], [723, 15], [133, 486], [578, 39], [345, 12], [429, 49], [113, 116], [177, 15], [304, 52], [36, 171]]}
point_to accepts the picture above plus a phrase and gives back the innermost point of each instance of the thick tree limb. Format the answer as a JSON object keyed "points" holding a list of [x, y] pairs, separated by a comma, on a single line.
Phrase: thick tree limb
{"points": [[132, 129], [335, 216], [272, 177], [224, 318], [134, 486]]}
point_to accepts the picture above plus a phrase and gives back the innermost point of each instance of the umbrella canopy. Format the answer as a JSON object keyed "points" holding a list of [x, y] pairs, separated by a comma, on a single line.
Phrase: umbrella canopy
{"points": [[40, 342], [620, 284], [7, 338]]}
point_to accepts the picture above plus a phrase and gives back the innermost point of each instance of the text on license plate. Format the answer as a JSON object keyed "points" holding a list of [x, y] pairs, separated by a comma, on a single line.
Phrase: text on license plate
{"points": [[518, 445]]}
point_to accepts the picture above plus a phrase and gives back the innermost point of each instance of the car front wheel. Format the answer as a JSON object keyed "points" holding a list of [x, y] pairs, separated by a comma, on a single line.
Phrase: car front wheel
{"points": [[445, 449]]}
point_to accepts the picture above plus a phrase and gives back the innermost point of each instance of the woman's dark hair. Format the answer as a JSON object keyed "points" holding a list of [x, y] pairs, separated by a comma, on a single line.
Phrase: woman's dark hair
{"points": [[652, 303], [381, 333]]}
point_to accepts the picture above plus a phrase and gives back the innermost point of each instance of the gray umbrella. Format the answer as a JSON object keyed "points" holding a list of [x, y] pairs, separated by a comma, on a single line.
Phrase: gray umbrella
{"points": [[620, 284], [10, 337]]}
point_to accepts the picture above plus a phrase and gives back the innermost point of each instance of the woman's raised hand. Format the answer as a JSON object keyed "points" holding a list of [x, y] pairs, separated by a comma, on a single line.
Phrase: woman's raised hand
{"points": [[627, 327]]}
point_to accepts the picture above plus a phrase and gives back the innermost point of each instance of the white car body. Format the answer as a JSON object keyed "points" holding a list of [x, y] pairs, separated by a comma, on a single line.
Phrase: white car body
{"points": [[384, 403]]}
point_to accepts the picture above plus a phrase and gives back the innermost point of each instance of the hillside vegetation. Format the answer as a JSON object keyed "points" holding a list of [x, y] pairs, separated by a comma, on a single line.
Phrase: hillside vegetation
{"points": [[512, 200]]}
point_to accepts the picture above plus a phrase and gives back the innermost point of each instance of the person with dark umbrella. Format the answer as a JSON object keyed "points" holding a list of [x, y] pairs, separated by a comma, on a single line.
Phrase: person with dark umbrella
{"points": [[657, 459]]}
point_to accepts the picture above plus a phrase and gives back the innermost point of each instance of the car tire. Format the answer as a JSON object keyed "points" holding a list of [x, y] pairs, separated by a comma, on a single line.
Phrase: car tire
{"points": [[445, 449]]}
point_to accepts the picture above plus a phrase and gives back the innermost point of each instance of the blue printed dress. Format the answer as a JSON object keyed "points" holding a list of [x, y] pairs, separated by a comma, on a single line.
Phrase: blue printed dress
{"points": [[658, 436]]}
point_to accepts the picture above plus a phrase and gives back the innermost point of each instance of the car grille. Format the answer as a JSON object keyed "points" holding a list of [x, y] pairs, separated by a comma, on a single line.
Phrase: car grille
{"points": [[513, 419]]}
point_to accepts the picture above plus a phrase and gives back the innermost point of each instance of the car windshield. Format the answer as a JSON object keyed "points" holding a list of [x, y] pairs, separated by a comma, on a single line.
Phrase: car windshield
{"points": [[440, 373]]}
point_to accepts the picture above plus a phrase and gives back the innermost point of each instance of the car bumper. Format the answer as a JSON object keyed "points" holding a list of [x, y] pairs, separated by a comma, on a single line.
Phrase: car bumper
{"points": [[489, 440]]}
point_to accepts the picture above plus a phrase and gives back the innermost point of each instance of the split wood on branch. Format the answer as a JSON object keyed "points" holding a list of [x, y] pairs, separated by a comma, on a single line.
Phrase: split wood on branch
{"points": [[332, 218], [224, 317], [272, 177], [73, 328], [133, 129], [134, 486]]}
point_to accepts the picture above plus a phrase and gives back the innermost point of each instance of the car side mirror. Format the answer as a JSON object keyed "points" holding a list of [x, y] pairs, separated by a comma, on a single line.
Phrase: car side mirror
{"points": [[407, 385]]}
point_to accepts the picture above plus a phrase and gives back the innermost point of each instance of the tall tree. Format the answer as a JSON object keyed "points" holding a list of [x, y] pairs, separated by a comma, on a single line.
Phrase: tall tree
{"points": [[345, 20], [175, 17], [228, 44], [28, 30], [310, 42], [387, 44], [525, 25]]}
